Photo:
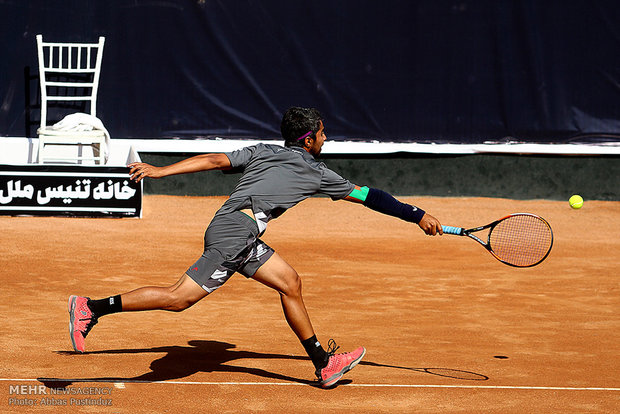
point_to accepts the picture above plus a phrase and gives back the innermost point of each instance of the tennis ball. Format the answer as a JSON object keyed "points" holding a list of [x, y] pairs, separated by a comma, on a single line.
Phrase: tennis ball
{"points": [[575, 201]]}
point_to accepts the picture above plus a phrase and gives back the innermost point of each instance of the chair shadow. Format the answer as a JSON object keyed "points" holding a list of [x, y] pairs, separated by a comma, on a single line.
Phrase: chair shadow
{"points": [[214, 356]]}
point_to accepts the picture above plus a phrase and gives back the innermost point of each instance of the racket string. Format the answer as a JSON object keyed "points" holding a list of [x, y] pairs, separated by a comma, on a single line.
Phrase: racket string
{"points": [[521, 240]]}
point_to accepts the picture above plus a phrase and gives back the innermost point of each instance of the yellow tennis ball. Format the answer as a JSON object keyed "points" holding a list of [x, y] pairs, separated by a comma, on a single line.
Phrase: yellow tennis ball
{"points": [[575, 201]]}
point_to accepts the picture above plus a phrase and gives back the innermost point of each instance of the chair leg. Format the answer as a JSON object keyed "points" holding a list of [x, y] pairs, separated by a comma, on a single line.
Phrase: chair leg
{"points": [[97, 152], [40, 153], [101, 155]]}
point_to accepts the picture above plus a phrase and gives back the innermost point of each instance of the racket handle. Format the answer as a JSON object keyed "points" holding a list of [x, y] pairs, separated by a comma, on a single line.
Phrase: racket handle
{"points": [[453, 230]]}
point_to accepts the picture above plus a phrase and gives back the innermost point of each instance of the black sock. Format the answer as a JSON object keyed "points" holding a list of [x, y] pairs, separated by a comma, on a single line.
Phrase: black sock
{"points": [[315, 351], [106, 306]]}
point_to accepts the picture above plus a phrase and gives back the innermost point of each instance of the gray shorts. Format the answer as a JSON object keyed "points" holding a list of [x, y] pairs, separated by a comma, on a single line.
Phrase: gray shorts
{"points": [[231, 245]]}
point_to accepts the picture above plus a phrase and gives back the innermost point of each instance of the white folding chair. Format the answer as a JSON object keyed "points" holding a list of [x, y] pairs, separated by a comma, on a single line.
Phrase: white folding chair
{"points": [[69, 76]]}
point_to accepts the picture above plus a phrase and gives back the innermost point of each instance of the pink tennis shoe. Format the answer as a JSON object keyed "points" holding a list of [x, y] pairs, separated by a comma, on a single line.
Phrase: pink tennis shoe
{"points": [[338, 364], [81, 321]]}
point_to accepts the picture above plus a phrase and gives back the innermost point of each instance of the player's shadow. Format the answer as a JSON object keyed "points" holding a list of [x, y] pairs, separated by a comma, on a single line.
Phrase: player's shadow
{"points": [[214, 356], [183, 361]]}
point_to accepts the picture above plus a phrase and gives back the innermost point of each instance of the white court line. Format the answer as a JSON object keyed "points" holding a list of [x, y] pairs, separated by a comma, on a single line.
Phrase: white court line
{"points": [[483, 387]]}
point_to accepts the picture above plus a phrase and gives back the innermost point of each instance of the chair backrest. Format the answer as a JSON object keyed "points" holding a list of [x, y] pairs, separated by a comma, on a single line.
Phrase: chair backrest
{"points": [[69, 72]]}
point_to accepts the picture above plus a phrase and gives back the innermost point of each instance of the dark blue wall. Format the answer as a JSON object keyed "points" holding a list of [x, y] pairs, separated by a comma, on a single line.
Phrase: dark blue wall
{"points": [[395, 70]]}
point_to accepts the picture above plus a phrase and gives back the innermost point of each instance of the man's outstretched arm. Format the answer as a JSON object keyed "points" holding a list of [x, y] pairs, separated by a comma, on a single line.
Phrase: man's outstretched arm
{"points": [[385, 203], [204, 162]]}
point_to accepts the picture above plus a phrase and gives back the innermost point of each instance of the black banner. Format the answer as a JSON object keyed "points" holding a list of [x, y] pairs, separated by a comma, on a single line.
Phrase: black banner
{"points": [[69, 191], [391, 71]]}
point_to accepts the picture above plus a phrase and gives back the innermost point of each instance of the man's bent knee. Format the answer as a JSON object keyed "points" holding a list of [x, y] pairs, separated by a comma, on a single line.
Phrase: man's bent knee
{"points": [[279, 275], [291, 285], [178, 303], [185, 293]]}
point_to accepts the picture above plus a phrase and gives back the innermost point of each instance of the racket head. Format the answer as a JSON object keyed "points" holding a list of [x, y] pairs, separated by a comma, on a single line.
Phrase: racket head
{"points": [[520, 239]]}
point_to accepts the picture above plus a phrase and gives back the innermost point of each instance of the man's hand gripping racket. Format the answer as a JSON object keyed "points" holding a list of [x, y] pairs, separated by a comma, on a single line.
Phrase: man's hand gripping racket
{"points": [[520, 239]]}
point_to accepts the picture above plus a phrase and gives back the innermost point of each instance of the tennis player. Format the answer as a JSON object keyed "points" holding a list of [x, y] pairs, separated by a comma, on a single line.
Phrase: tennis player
{"points": [[274, 179]]}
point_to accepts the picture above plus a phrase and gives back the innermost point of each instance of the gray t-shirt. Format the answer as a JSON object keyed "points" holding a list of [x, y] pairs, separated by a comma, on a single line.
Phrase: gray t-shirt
{"points": [[276, 178]]}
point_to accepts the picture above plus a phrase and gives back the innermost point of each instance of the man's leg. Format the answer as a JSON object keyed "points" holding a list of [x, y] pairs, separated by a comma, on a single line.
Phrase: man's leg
{"points": [[84, 313], [279, 275], [183, 294], [330, 367]]}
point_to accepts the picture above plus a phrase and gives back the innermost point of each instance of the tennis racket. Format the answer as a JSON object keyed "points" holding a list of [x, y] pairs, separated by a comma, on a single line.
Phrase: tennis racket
{"points": [[520, 239]]}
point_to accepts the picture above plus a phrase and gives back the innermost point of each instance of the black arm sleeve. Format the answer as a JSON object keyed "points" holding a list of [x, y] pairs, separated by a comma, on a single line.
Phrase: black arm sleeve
{"points": [[385, 203]]}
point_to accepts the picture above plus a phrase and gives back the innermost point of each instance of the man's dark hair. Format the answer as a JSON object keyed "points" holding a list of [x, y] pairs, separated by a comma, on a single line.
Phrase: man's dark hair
{"points": [[297, 122]]}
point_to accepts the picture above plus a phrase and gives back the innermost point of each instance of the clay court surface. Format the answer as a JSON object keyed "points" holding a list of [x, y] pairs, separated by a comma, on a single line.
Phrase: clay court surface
{"points": [[434, 314]]}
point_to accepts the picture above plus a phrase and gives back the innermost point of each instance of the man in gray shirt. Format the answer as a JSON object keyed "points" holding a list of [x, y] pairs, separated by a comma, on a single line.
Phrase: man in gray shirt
{"points": [[274, 179]]}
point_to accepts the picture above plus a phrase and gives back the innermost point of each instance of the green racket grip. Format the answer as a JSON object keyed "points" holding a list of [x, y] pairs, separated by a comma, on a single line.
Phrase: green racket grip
{"points": [[453, 230]]}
